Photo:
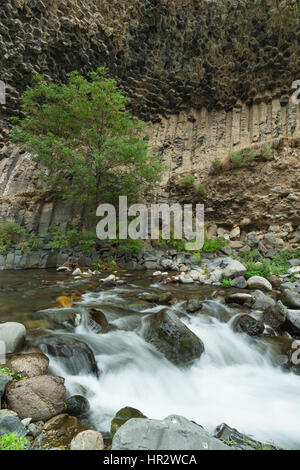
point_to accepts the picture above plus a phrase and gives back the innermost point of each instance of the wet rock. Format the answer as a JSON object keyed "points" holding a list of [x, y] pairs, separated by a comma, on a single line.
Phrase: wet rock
{"points": [[78, 406], [68, 318], [262, 301], [172, 338], [291, 298], [275, 281], [193, 305], [5, 412], [75, 355], [98, 321], [5, 380], [239, 298], [161, 299], [39, 398], [247, 324], [239, 282], [12, 424], [60, 423], [234, 269], [13, 336], [275, 315], [88, 440], [185, 279], [172, 433], [122, 416], [29, 365], [238, 440], [259, 282], [293, 321], [63, 302]]}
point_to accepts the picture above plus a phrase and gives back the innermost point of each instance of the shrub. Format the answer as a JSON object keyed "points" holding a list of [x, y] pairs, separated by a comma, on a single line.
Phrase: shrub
{"points": [[213, 244], [216, 167], [10, 233], [236, 159], [227, 283], [11, 441], [200, 189], [60, 239], [187, 182]]}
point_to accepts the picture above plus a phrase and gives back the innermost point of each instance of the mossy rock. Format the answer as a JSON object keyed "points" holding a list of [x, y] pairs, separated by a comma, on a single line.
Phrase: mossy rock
{"points": [[122, 416]]}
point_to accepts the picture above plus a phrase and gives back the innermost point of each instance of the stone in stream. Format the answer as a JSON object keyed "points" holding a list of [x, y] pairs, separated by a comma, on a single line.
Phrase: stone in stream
{"points": [[39, 398], [247, 324], [78, 406], [275, 315], [234, 269], [291, 298], [88, 440], [5, 380], [61, 422], [172, 338], [29, 365], [259, 282], [262, 301], [240, 298], [12, 424], [240, 441], [194, 305], [172, 433], [293, 321], [122, 416], [75, 355], [239, 282], [13, 336]]}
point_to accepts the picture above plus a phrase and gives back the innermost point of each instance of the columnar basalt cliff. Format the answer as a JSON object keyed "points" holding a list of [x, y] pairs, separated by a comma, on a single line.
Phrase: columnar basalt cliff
{"points": [[207, 76]]}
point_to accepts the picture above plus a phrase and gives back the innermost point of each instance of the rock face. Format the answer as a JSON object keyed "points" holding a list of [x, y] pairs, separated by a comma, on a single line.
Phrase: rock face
{"points": [[88, 440], [172, 433], [29, 365], [122, 416], [13, 335], [172, 338], [39, 398]]}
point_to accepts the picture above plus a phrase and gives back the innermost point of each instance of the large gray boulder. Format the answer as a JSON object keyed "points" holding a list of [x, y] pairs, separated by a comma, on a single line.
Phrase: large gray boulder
{"points": [[39, 398], [172, 338], [172, 433], [259, 282], [13, 336]]}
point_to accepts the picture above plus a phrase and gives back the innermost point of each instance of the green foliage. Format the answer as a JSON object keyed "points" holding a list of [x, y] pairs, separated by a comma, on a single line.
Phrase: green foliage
{"points": [[14, 375], [187, 182], [106, 265], [92, 148], [267, 151], [258, 269], [236, 159], [129, 245], [258, 266], [227, 283], [200, 189], [10, 233], [60, 239], [11, 441], [213, 244], [216, 167]]}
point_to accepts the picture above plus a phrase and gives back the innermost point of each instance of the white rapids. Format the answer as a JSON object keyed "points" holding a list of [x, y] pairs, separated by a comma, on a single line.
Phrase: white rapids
{"points": [[233, 382]]}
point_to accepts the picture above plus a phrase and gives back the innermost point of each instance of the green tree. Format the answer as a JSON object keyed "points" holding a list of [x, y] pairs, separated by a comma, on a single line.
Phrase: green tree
{"points": [[90, 146]]}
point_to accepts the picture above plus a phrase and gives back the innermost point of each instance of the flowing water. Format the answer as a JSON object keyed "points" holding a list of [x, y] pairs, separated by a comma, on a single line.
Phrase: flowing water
{"points": [[235, 381]]}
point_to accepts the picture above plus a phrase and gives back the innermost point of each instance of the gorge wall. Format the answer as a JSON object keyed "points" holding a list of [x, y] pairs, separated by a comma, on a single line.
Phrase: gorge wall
{"points": [[207, 75]]}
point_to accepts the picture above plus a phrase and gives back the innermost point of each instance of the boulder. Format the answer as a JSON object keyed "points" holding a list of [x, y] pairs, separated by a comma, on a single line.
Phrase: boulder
{"points": [[88, 440], [13, 335], [39, 398], [293, 321], [12, 424], [247, 324], [5, 380], [75, 355], [262, 301], [239, 282], [62, 422], [172, 433], [240, 298], [172, 338], [29, 365], [275, 315], [77, 406], [259, 282], [193, 305], [122, 416], [291, 298], [234, 269]]}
